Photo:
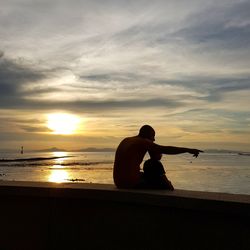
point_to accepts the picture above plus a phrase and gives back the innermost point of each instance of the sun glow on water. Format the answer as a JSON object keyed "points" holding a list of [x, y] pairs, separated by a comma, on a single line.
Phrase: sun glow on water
{"points": [[58, 175], [60, 160], [60, 154]]}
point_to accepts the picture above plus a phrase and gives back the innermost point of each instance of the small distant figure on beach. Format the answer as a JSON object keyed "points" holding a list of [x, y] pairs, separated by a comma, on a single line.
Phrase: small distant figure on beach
{"points": [[130, 153], [154, 173], [22, 150]]}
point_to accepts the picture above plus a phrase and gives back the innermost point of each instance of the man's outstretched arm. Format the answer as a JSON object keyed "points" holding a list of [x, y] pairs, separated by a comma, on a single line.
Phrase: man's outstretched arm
{"points": [[170, 150]]}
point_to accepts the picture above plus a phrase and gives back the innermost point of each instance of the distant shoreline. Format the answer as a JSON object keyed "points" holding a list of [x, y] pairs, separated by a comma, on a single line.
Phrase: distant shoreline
{"points": [[51, 150]]}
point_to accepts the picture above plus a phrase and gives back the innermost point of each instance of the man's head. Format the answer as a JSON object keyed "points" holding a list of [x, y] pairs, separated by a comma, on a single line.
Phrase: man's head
{"points": [[147, 132]]}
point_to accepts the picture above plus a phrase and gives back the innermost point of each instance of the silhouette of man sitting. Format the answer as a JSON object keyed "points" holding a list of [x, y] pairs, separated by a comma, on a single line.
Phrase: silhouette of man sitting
{"points": [[130, 153]]}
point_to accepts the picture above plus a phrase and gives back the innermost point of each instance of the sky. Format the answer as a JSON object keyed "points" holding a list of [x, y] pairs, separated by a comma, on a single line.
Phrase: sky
{"points": [[179, 66]]}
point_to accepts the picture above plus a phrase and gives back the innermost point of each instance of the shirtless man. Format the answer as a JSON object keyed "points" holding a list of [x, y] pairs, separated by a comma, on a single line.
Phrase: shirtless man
{"points": [[130, 153]]}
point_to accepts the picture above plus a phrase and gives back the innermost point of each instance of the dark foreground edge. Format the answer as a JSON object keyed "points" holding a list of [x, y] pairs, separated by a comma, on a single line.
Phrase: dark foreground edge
{"points": [[97, 216]]}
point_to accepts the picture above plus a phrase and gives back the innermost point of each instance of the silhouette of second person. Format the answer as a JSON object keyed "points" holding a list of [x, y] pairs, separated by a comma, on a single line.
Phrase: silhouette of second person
{"points": [[154, 173], [130, 153]]}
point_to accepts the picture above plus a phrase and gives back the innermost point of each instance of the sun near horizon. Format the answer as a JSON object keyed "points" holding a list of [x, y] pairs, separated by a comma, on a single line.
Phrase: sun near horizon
{"points": [[63, 123]]}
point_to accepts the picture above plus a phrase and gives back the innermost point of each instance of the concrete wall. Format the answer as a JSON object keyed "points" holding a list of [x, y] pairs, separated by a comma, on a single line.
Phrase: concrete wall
{"points": [[81, 216]]}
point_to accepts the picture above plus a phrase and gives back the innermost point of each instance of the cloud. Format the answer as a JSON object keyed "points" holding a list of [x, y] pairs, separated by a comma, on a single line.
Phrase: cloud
{"points": [[111, 90], [34, 129], [225, 26], [114, 77], [13, 77], [90, 105]]}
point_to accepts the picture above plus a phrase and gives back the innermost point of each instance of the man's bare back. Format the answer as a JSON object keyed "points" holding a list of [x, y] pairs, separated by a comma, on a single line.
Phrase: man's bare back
{"points": [[129, 156], [131, 151]]}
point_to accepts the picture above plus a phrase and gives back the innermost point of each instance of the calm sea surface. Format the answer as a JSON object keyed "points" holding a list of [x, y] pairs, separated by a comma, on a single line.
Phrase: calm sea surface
{"points": [[227, 173]]}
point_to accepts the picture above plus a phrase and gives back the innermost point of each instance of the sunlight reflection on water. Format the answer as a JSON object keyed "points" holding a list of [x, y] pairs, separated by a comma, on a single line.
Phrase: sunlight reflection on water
{"points": [[58, 175]]}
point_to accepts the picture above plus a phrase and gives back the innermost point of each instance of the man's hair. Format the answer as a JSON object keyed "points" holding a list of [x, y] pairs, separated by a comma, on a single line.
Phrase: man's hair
{"points": [[145, 131]]}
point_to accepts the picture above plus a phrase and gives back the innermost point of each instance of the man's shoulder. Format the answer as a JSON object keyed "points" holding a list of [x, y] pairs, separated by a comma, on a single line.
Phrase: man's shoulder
{"points": [[135, 140], [138, 139]]}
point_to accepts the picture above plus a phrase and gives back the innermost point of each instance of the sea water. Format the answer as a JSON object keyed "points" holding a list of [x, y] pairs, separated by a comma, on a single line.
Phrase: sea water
{"points": [[214, 172]]}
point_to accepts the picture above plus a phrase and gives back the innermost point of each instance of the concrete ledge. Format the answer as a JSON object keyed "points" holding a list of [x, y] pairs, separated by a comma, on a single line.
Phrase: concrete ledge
{"points": [[52, 216], [194, 200]]}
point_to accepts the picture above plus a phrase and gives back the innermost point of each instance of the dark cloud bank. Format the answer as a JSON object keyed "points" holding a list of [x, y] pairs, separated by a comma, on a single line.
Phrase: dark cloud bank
{"points": [[14, 77]]}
